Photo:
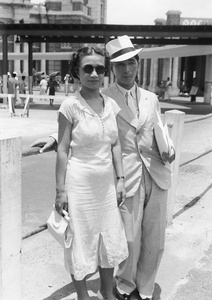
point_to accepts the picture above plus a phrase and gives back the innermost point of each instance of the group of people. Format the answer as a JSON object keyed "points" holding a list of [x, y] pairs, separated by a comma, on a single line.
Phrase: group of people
{"points": [[48, 87], [16, 87], [110, 176]]}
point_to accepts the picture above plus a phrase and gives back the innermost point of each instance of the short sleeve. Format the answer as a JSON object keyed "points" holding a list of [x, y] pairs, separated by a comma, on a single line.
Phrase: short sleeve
{"points": [[66, 109], [115, 106]]}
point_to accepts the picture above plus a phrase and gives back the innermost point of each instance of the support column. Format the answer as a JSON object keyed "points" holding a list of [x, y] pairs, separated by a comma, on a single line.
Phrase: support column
{"points": [[150, 87], [17, 61], [144, 85], [208, 80], [43, 61], [30, 65], [5, 66], [175, 90], [154, 76], [26, 70], [170, 68], [10, 218]]}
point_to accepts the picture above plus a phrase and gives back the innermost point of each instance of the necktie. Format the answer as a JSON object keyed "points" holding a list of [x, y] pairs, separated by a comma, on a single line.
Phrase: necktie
{"points": [[131, 102]]}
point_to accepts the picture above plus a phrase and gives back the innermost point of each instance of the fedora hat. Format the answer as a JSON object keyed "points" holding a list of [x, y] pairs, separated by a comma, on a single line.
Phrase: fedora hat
{"points": [[121, 49]]}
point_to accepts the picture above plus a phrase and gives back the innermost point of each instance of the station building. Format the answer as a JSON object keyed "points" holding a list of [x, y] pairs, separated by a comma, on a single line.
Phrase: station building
{"points": [[182, 63], [49, 12], [189, 65]]}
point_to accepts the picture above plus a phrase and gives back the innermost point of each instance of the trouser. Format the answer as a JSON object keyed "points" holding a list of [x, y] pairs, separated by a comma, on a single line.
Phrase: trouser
{"points": [[144, 219]]}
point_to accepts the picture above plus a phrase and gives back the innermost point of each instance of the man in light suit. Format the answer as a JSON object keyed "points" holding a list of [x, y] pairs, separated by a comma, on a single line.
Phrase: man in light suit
{"points": [[147, 176]]}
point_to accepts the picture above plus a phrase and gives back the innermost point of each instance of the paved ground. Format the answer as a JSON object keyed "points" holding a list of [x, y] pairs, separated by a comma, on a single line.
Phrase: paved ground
{"points": [[186, 269]]}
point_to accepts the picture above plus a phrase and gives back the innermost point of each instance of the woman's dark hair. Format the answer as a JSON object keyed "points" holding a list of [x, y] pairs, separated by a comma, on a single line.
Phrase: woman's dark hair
{"points": [[77, 56]]}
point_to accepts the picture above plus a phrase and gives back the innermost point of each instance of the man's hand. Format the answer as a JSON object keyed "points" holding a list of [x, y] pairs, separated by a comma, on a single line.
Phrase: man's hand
{"points": [[121, 193], [168, 157], [45, 144]]}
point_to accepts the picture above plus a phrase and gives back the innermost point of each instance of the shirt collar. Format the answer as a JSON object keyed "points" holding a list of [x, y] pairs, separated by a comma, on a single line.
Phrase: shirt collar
{"points": [[124, 91]]}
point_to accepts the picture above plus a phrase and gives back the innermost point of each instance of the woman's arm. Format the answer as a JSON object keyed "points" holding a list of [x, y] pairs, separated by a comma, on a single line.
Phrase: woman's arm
{"points": [[64, 138], [117, 163]]}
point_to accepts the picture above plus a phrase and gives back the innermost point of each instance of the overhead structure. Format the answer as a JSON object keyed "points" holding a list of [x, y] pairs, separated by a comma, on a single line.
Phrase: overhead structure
{"points": [[140, 35], [97, 33]]}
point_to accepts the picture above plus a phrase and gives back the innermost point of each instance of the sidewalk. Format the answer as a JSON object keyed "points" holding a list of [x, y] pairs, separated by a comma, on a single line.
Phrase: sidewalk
{"points": [[186, 269]]}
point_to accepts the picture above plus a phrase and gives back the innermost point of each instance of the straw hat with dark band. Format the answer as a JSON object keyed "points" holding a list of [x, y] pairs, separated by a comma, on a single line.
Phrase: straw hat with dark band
{"points": [[121, 49]]}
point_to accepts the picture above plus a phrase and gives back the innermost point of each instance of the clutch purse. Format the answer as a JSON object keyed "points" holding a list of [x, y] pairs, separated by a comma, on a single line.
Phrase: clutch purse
{"points": [[59, 227], [164, 142]]}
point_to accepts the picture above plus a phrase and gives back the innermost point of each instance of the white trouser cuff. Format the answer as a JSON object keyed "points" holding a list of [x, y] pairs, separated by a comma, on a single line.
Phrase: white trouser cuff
{"points": [[121, 291], [145, 296]]}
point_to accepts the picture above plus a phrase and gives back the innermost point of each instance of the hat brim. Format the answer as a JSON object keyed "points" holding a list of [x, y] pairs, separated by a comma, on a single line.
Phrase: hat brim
{"points": [[126, 55]]}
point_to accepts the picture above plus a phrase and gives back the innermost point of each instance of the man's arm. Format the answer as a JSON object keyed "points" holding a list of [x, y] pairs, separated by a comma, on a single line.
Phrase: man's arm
{"points": [[46, 143]]}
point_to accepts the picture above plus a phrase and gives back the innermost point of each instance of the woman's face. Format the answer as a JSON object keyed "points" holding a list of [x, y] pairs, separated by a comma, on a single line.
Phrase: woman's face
{"points": [[91, 72]]}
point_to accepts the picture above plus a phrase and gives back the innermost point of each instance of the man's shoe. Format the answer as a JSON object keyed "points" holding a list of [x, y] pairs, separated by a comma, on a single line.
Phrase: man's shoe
{"points": [[120, 296]]}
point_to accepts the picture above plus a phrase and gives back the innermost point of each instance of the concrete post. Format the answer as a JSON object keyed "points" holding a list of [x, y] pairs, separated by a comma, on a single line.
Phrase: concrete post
{"points": [[10, 218], [175, 120]]}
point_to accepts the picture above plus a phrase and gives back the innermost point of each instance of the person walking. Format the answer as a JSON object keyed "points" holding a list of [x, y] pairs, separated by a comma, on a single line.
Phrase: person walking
{"points": [[147, 176], [88, 153], [22, 89], [51, 86], [168, 87], [12, 88], [66, 79], [43, 87]]}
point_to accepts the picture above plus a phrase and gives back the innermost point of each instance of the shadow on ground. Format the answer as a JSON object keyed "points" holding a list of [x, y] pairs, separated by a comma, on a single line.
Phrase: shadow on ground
{"points": [[189, 108]]}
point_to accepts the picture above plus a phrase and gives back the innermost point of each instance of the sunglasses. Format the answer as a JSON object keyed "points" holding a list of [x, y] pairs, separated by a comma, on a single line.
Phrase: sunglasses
{"points": [[88, 69]]}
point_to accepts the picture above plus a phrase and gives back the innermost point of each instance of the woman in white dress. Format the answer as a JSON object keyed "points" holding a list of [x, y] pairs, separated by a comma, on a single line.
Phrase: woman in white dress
{"points": [[88, 156]]}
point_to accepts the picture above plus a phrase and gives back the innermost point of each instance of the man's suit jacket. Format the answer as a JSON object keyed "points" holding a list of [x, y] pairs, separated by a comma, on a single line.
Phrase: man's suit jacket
{"points": [[138, 140]]}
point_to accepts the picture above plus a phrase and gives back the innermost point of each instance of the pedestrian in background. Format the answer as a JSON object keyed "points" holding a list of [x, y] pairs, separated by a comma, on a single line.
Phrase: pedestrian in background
{"points": [[43, 87], [168, 87], [22, 89], [52, 86], [66, 79], [12, 88]]}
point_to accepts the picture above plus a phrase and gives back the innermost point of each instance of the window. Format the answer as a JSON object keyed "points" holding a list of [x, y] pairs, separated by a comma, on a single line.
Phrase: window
{"points": [[77, 6]]}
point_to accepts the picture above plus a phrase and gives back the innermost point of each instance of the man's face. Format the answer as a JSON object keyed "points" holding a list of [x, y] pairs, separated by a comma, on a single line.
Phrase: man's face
{"points": [[125, 72]]}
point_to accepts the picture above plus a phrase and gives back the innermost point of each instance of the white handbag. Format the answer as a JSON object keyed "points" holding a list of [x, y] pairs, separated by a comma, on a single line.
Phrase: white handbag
{"points": [[60, 228]]}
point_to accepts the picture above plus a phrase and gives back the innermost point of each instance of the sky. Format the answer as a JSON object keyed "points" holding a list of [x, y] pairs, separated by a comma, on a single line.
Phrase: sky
{"points": [[144, 12]]}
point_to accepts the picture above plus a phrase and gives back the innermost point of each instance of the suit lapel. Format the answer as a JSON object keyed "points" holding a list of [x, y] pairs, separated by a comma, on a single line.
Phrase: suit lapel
{"points": [[144, 105], [125, 113]]}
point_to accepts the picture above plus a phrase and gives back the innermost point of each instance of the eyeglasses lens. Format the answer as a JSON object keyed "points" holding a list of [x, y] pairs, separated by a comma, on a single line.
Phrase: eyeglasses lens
{"points": [[89, 69]]}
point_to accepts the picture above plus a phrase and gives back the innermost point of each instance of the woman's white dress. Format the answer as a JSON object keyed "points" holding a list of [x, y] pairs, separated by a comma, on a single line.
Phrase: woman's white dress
{"points": [[98, 234]]}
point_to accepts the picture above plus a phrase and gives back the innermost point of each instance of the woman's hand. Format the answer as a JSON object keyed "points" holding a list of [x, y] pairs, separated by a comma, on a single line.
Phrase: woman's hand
{"points": [[61, 202], [121, 193]]}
